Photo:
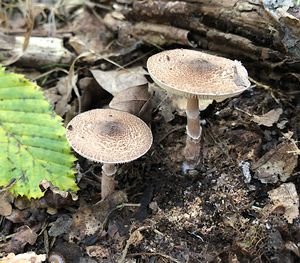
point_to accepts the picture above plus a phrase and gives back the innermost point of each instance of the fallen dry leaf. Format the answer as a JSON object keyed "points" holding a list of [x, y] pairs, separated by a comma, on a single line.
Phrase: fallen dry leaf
{"points": [[97, 251], [93, 96], [5, 203], [131, 99], [277, 164], [62, 105], [65, 252], [291, 246], [22, 203], [18, 216], [88, 220], [85, 223], [135, 100], [286, 196], [90, 35], [114, 81], [29, 257], [269, 118], [59, 96], [60, 226], [57, 198], [25, 235]]}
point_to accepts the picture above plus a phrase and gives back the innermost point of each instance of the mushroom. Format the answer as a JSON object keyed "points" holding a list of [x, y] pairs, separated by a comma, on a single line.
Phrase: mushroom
{"points": [[196, 75], [110, 137]]}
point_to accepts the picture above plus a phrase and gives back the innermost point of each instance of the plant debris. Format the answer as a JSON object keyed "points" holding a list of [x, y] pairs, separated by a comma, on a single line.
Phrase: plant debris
{"points": [[23, 258], [285, 198], [5, 203], [115, 81], [269, 118], [277, 164]]}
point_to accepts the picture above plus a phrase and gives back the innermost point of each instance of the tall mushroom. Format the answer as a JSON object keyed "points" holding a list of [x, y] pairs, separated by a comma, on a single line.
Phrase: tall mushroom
{"points": [[109, 137], [196, 75]]}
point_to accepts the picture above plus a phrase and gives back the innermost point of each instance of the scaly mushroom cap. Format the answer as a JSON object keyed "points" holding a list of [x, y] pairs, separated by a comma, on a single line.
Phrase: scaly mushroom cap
{"points": [[194, 73], [109, 136]]}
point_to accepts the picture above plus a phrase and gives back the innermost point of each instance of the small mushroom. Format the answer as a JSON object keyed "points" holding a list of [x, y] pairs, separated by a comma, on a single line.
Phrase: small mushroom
{"points": [[109, 137], [197, 75]]}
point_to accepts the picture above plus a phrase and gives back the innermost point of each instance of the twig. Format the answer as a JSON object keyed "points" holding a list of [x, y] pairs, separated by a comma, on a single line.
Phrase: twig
{"points": [[196, 235], [266, 87], [245, 112], [46, 242], [72, 79], [155, 254], [137, 59], [6, 237], [130, 241], [92, 5], [49, 72]]}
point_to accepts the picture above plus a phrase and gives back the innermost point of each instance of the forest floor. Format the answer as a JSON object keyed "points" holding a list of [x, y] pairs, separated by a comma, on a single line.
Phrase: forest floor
{"points": [[240, 204]]}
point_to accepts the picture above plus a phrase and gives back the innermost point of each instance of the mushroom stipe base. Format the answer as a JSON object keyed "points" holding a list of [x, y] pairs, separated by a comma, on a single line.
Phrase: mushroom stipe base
{"points": [[192, 153]]}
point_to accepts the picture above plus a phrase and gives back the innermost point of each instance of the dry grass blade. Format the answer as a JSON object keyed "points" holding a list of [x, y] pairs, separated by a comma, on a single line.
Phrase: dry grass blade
{"points": [[29, 17]]}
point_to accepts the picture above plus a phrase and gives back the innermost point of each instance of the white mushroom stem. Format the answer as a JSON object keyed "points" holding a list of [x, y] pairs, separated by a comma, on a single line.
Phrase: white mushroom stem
{"points": [[107, 181], [194, 130], [193, 127]]}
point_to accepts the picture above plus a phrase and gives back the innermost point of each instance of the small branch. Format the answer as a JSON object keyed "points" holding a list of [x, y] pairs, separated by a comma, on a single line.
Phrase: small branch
{"points": [[154, 254], [130, 241]]}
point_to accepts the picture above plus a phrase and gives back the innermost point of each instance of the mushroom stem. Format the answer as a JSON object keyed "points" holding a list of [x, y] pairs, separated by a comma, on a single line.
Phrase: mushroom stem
{"points": [[193, 118], [194, 130], [107, 181]]}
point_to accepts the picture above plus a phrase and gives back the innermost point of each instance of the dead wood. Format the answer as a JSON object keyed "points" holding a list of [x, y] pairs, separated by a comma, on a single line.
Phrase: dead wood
{"points": [[260, 36], [41, 51]]}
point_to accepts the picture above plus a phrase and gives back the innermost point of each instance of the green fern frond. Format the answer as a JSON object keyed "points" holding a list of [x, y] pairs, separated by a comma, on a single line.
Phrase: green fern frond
{"points": [[32, 140]]}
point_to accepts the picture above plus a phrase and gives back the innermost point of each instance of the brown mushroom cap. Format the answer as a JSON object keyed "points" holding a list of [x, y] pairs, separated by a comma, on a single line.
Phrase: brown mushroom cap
{"points": [[194, 73], [109, 136]]}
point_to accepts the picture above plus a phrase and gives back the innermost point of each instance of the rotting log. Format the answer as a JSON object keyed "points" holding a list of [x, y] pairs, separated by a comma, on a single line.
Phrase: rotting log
{"points": [[245, 18]]}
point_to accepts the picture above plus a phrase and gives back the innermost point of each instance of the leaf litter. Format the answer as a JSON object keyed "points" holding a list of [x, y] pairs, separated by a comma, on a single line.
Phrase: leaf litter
{"points": [[277, 164], [115, 81], [286, 197], [23, 258], [269, 118]]}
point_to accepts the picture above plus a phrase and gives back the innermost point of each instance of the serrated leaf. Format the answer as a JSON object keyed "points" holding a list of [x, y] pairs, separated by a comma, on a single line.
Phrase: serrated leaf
{"points": [[32, 140]]}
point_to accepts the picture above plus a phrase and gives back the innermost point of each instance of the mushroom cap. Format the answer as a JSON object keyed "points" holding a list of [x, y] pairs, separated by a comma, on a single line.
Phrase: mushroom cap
{"points": [[109, 136], [194, 73]]}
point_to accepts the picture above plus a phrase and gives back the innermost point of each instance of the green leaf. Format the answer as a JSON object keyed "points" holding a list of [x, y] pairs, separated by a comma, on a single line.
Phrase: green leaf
{"points": [[33, 146]]}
